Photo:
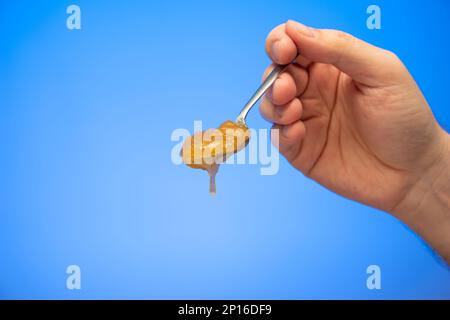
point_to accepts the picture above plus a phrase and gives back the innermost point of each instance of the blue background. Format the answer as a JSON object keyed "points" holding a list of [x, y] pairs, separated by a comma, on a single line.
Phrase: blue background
{"points": [[86, 176]]}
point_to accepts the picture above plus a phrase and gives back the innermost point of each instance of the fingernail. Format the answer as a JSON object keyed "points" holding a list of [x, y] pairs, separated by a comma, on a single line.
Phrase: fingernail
{"points": [[301, 28], [275, 51]]}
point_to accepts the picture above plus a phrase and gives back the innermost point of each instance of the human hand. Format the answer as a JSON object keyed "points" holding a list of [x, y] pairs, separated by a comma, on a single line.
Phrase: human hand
{"points": [[353, 119]]}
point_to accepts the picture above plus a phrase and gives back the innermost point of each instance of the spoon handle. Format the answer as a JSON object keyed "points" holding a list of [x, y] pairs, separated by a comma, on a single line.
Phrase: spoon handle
{"points": [[260, 92]]}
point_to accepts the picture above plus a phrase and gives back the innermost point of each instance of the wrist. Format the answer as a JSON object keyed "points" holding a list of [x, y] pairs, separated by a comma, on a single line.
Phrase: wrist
{"points": [[426, 207]]}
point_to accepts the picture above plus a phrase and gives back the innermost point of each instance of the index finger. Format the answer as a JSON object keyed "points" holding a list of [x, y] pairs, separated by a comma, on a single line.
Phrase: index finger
{"points": [[280, 47]]}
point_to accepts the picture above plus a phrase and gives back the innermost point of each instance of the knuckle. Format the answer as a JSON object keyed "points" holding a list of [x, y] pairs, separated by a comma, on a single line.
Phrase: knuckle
{"points": [[342, 42], [395, 63], [341, 38], [393, 57]]}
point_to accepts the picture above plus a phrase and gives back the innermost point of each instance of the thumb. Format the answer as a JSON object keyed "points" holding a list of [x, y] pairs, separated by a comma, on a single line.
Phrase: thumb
{"points": [[362, 61]]}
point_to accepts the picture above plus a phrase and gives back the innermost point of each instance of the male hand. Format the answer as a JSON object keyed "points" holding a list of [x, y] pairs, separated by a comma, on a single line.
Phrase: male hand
{"points": [[353, 119]]}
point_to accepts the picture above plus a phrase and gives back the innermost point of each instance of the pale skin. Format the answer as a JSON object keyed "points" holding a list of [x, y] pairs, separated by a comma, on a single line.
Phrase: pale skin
{"points": [[353, 119]]}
